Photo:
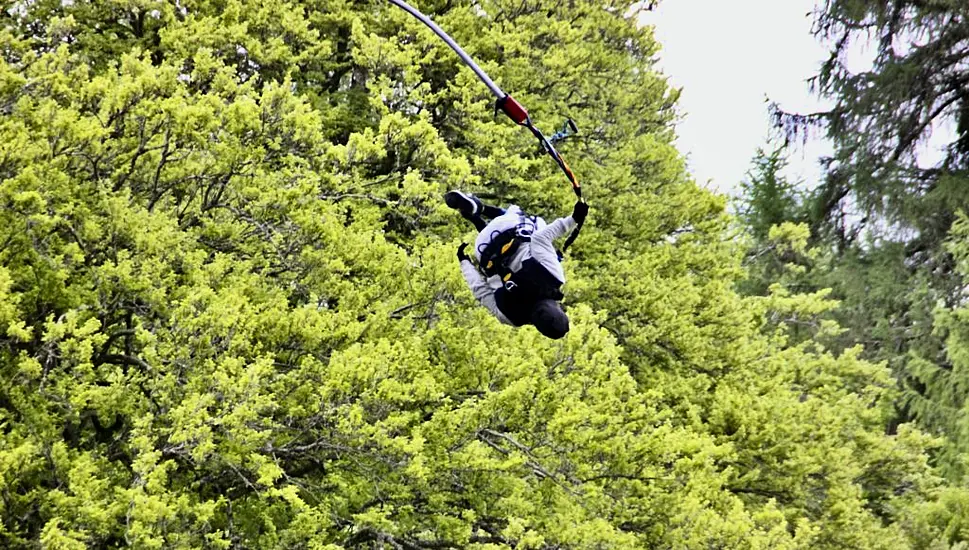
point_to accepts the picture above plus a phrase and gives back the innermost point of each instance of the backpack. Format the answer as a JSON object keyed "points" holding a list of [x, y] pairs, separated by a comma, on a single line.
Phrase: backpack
{"points": [[503, 245]]}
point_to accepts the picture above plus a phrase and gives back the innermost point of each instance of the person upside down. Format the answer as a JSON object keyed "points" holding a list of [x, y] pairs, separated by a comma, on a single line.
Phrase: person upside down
{"points": [[523, 276]]}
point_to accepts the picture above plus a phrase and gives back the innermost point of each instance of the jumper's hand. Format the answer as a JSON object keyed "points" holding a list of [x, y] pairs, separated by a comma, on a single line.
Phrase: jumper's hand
{"points": [[461, 255], [580, 211]]}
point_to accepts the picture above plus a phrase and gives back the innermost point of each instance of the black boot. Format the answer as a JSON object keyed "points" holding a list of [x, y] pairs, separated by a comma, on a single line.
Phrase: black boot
{"points": [[467, 204]]}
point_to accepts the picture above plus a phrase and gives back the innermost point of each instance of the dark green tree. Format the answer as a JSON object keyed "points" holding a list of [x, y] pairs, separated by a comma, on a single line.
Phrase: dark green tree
{"points": [[767, 197], [881, 214]]}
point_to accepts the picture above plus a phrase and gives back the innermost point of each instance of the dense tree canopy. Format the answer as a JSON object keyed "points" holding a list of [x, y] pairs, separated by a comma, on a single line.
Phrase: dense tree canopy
{"points": [[230, 315], [882, 215]]}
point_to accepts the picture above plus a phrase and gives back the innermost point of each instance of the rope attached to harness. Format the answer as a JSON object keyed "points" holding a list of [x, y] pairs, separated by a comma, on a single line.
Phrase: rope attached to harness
{"points": [[505, 103]]}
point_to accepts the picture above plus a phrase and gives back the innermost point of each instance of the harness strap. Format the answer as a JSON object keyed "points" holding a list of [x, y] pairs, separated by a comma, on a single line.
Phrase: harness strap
{"points": [[503, 244]]}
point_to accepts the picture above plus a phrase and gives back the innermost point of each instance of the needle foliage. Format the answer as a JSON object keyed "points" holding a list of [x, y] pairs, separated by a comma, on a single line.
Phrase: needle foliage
{"points": [[231, 317]]}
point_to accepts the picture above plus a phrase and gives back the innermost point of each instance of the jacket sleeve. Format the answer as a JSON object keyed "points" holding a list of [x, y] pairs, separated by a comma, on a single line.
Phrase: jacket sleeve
{"points": [[556, 229], [542, 249], [481, 290]]}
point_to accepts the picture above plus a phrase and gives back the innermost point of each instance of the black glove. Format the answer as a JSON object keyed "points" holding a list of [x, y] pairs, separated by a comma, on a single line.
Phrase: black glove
{"points": [[461, 255], [579, 211]]}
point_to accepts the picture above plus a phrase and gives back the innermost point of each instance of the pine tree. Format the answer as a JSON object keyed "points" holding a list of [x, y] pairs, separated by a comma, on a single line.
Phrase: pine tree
{"points": [[230, 314], [882, 213]]}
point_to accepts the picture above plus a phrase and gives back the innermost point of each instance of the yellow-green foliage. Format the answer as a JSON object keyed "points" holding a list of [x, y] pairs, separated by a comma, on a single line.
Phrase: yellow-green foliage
{"points": [[230, 313]]}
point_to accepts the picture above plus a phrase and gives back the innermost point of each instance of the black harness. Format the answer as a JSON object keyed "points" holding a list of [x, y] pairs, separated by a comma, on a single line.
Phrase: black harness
{"points": [[521, 289], [503, 245]]}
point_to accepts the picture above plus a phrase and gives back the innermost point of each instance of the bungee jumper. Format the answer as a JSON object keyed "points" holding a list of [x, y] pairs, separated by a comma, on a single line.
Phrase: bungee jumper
{"points": [[521, 274]]}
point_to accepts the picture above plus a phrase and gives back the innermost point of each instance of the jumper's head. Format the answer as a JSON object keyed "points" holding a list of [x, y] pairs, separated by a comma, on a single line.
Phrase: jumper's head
{"points": [[550, 319]]}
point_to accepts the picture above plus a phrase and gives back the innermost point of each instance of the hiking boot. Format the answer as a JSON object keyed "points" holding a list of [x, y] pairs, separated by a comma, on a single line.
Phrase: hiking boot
{"points": [[467, 204]]}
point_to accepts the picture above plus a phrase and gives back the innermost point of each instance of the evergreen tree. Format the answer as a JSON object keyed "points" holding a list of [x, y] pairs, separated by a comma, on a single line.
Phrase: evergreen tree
{"points": [[767, 197], [881, 214], [770, 210], [230, 314]]}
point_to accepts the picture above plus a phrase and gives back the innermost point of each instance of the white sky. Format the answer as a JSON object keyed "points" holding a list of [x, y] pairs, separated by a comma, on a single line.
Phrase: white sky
{"points": [[730, 57]]}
